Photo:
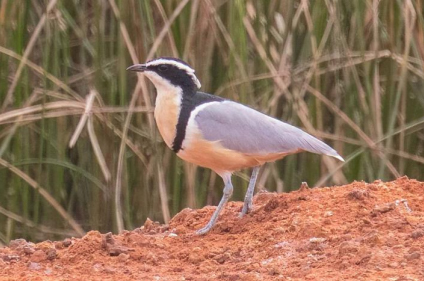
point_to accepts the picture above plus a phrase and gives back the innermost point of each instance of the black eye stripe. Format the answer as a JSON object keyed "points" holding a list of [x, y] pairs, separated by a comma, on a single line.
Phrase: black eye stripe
{"points": [[177, 74], [163, 67]]}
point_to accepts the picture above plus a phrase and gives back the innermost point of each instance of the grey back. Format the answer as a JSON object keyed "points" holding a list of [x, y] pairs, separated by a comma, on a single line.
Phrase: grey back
{"points": [[246, 130]]}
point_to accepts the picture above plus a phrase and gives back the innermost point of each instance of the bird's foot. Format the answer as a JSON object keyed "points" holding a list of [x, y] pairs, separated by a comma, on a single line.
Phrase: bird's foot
{"points": [[204, 229], [247, 208]]}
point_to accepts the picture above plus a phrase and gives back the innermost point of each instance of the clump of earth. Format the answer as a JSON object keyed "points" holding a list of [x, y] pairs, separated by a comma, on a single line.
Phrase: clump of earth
{"points": [[360, 231]]}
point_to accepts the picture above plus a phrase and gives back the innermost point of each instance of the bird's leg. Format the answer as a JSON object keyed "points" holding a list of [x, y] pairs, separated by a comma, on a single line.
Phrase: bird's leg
{"points": [[228, 191], [247, 206]]}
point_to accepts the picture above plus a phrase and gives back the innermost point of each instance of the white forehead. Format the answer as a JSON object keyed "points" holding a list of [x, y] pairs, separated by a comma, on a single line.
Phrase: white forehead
{"points": [[190, 71], [171, 62]]}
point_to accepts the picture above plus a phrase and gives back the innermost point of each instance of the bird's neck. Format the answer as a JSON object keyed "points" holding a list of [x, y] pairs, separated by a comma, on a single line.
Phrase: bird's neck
{"points": [[167, 110], [169, 103]]}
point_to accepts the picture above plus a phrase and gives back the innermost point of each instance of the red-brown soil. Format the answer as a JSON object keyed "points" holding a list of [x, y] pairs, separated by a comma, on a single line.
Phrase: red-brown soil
{"points": [[355, 232]]}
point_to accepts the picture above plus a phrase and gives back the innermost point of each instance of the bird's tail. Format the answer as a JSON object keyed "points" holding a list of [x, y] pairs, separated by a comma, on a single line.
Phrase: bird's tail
{"points": [[314, 145]]}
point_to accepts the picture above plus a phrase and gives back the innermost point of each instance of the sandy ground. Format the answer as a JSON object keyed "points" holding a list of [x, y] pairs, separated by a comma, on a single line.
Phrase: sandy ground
{"points": [[358, 231]]}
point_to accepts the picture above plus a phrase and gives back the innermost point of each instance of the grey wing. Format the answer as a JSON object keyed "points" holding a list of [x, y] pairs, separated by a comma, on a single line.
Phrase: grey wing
{"points": [[244, 129]]}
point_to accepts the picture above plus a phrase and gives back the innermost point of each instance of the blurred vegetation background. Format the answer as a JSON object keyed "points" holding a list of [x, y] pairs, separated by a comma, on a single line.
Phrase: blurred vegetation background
{"points": [[79, 148]]}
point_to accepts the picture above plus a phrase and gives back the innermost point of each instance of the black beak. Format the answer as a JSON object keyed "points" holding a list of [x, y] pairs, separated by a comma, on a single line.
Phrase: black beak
{"points": [[137, 67]]}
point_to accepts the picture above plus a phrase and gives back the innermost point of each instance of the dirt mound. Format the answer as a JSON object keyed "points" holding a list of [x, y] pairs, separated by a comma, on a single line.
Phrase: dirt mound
{"points": [[355, 232]]}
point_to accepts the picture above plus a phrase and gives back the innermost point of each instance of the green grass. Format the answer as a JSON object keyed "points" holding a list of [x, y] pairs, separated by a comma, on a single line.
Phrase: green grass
{"points": [[350, 73]]}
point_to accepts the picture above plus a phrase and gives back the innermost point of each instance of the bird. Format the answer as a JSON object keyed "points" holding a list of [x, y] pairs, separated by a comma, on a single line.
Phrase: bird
{"points": [[217, 133]]}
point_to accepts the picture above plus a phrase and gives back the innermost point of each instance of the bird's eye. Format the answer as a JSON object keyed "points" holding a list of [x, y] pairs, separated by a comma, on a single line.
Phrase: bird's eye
{"points": [[163, 67]]}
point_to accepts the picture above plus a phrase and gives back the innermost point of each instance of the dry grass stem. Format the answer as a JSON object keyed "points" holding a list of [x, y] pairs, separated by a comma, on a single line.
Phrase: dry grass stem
{"points": [[87, 112]]}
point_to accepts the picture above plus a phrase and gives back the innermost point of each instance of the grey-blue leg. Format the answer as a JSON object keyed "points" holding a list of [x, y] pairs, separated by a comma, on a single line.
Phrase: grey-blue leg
{"points": [[247, 206], [228, 191]]}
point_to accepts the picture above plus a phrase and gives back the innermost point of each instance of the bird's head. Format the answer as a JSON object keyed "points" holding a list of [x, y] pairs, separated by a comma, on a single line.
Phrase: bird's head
{"points": [[166, 72]]}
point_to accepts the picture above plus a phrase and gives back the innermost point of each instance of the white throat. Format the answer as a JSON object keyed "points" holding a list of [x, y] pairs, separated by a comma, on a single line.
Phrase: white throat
{"points": [[161, 84], [167, 108]]}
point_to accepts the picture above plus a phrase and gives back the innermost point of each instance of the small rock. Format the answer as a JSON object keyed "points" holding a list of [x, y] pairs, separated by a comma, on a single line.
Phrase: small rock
{"points": [[283, 244], [417, 233], [67, 242], [394, 264], [405, 204], [109, 269], [28, 249], [363, 212], [315, 244], [222, 258], [366, 221], [263, 196], [151, 226], [412, 256], [328, 214], [58, 245], [292, 228], [117, 250], [107, 239], [17, 243], [177, 269], [38, 256], [125, 232], [317, 240], [152, 259], [123, 257], [304, 187], [312, 228], [372, 187], [273, 271], [10, 258], [267, 261], [48, 271], [51, 254], [280, 230], [195, 258], [372, 239], [302, 198], [383, 208], [363, 258], [326, 222], [34, 266], [391, 239], [180, 229], [413, 219], [346, 237], [97, 267], [271, 205], [348, 247], [358, 194], [414, 249]]}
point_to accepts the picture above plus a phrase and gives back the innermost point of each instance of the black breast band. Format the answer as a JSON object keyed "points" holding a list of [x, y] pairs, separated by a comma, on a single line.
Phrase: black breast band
{"points": [[189, 102]]}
